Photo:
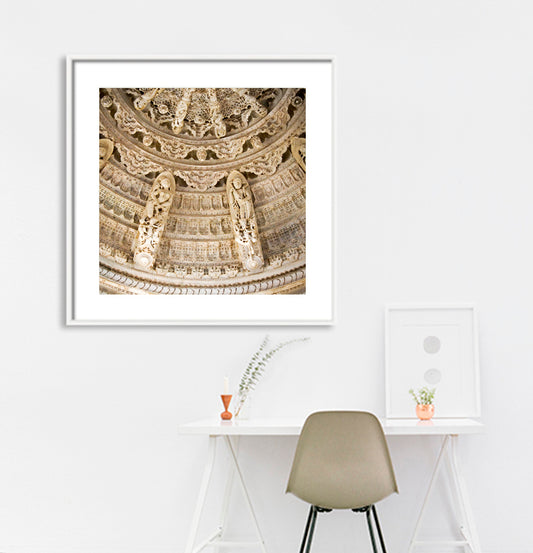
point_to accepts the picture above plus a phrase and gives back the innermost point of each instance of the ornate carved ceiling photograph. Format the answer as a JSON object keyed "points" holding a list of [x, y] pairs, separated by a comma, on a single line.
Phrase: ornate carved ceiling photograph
{"points": [[202, 190]]}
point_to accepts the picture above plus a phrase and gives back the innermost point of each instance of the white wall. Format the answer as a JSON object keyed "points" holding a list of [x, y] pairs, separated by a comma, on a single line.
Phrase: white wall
{"points": [[435, 136]]}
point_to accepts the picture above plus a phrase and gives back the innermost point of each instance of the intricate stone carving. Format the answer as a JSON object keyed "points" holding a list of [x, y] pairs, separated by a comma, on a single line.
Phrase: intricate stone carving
{"points": [[119, 207], [190, 203], [298, 151], [136, 163], [200, 112], [105, 150], [189, 227], [293, 280], [244, 221], [267, 163], [216, 233], [221, 146], [142, 101], [286, 179], [201, 180], [288, 208], [127, 121], [277, 241], [153, 221], [127, 186]]}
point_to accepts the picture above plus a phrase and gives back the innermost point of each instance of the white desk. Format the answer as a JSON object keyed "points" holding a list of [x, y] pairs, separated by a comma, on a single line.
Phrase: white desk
{"points": [[230, 431]]}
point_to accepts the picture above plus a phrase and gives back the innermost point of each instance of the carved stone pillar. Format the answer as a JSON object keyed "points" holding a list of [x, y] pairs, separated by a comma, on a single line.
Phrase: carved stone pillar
{"points": [[105, 151], [153, 220], [244, 222], [298, 151]]}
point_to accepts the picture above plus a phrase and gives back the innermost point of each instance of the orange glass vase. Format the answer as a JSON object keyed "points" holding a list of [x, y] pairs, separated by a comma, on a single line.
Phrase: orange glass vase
{"points": [[425, 412], [226, 399]]}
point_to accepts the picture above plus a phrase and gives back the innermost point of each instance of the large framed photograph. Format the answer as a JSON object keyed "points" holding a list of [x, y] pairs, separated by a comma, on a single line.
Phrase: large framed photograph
{"points": [[434, 346], [190, 195]]}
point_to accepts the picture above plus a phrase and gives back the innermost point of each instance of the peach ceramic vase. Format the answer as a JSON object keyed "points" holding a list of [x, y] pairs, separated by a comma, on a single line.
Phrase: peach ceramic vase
{"points": [[425, 412], [226, 399]]}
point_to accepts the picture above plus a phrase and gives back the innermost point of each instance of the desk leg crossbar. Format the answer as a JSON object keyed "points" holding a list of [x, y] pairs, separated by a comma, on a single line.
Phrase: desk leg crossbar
{"points": [[470, 540], [215, 539]]}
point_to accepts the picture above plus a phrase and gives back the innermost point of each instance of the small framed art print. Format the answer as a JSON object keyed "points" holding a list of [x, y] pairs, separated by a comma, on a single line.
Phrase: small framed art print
{"points": [[433, 346]]}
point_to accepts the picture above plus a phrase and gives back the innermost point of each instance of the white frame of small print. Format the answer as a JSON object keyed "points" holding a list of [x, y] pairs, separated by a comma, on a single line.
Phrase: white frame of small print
{"points": [[435, 346], [85, 75]]}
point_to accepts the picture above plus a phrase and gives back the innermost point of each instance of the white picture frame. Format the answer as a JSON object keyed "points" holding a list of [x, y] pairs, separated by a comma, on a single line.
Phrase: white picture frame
{"points": [[435, 346], [84, 304]]}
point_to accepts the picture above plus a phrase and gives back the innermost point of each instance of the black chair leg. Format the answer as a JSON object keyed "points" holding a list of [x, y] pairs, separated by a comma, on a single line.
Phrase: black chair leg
{"points": [[306, 532], [381, 540], [370, 531], [311, 529]]}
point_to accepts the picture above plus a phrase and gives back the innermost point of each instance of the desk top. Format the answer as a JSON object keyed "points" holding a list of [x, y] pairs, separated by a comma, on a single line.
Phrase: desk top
{"points": [[293, 426]]}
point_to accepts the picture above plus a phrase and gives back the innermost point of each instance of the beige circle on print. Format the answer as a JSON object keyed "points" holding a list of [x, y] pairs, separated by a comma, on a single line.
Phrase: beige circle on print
{"points": [[431, 344]]}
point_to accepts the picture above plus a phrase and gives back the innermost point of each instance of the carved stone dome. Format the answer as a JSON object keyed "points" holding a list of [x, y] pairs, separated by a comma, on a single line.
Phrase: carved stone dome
{"points": [[202, 191]]}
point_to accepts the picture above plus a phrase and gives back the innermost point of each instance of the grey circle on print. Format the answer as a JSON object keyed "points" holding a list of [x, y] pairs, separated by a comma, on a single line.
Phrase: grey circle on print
{"points": [[432, 376], [431, 344]]}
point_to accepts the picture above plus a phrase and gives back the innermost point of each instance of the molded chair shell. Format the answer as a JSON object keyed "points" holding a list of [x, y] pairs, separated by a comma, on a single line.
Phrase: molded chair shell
{"points": [[342, 461]]}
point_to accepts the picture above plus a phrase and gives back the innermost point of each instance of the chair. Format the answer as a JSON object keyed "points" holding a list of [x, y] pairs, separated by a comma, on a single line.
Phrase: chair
{"points": [[342, 462]]}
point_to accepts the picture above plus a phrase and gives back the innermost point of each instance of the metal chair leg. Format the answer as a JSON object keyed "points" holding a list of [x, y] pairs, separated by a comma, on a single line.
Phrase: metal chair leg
{"points": [[380, 534], [311, 529], [306, 532], [370, 531]]}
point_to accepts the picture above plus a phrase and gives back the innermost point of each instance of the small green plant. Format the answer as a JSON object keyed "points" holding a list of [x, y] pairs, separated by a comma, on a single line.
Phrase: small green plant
{"points": [[256, 367], [423, 396]]}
